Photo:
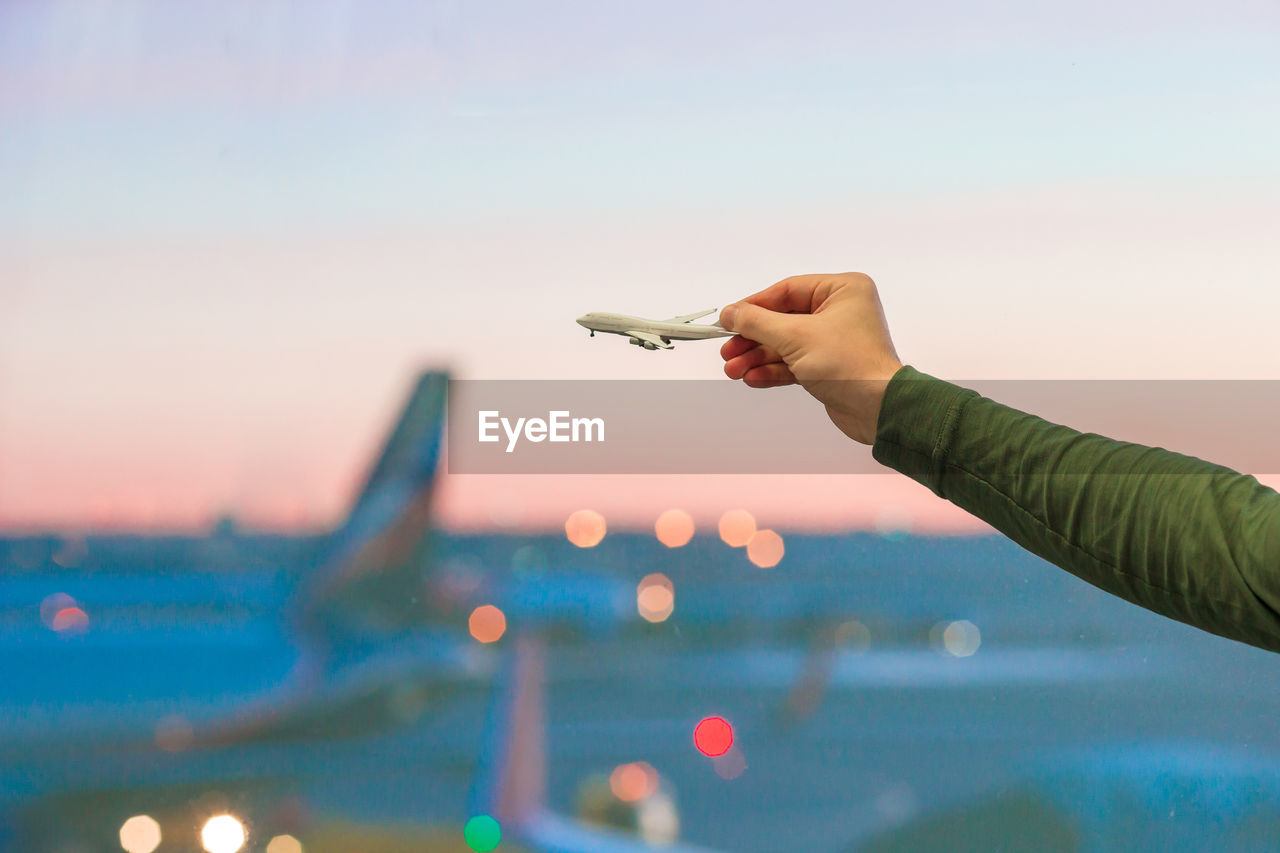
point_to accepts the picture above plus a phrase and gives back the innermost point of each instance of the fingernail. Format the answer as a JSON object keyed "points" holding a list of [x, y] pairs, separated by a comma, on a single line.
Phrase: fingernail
{"points": [[728, 315]]}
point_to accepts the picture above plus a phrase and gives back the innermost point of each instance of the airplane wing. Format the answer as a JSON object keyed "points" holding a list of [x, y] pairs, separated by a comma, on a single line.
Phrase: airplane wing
{"points": [[650, 340], [686, 318]]}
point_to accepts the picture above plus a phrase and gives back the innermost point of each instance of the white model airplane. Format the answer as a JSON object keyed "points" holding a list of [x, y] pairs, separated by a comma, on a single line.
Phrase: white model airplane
{"points": [[653, 334]]}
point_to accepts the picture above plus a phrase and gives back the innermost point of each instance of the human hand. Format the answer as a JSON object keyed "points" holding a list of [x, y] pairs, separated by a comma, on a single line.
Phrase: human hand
{"points": [[826, 332]]}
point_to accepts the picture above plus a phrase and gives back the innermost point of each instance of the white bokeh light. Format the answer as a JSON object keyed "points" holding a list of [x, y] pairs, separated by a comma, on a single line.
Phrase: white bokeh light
{"points": [[140, 834], [222, 834], [961, 638]]}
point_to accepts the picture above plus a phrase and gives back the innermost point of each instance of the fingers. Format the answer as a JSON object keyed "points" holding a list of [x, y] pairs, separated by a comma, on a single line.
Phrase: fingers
{"points": [[762, 325], [758, 366], [805, 294], [757, 356], [792, 295], [736, 346], [771, 329], [769, 376]]}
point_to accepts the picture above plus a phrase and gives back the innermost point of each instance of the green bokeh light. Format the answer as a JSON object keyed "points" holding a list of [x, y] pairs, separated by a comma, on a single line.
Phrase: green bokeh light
{"points": [[482, 833]]}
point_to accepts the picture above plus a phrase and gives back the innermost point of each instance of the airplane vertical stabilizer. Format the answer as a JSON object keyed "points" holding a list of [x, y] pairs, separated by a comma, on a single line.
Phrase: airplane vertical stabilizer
{"points": [[511, 780], [510, 783], [370, 581]]}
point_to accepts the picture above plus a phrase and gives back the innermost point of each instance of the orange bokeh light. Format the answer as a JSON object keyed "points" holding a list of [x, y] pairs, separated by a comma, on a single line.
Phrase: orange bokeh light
{"points": [[487, 623], [585, 528], [655, 597], [655, 603], [634, 781], [70, 620], [765, 549], [674, 528], [737, 527]]}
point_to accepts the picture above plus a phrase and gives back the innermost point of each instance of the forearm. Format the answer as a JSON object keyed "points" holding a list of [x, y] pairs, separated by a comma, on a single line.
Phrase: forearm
{"points": [[1189, 539]]}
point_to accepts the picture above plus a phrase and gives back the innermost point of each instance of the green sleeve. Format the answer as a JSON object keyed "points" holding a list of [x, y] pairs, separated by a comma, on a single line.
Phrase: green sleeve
{"points": [[1189, 539]]}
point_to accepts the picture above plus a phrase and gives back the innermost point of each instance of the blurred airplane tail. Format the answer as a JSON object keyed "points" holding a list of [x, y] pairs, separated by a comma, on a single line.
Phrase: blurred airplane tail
{"points": [[511, 784], [511, 781], [370, 579], [409, 457]]}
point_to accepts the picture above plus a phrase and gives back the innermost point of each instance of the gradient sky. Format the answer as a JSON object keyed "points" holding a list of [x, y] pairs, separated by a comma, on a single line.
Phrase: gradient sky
{"points": [[231, 233]]}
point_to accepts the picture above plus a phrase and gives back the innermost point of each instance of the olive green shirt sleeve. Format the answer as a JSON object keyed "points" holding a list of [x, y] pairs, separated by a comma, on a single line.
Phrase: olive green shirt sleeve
{"points": [[1189, 539]]}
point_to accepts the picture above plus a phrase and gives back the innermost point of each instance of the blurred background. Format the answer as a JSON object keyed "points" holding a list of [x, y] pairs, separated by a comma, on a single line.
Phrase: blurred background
{"points": [[244, 245]]}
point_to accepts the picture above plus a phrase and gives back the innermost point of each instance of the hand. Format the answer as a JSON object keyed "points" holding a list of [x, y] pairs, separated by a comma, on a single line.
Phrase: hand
{"points": [[827, 333]]}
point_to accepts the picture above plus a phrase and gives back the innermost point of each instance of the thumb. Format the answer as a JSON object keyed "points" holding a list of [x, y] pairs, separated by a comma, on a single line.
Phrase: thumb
{"points": [[771, 328]]}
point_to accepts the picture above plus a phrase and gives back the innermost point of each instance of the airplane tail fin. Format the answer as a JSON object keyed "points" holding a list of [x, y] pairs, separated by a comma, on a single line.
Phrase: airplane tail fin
{"points": [[405, 469], [370, 576], [511, 778]]}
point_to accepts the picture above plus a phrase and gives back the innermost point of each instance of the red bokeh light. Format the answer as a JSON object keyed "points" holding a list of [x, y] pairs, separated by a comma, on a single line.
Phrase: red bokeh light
{"points": [[713, 736], [70, 620]]}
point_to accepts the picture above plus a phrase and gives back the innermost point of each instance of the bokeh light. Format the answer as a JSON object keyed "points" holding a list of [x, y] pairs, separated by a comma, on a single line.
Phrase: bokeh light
{"points": [[731, 765], [284, 844], [140, 834], [585, 528], [72, 553], [528, 560], [633, 781], [54, 603], [897, 802], [765, 549], [655, 597], [487, 623], [657, 820], [455, 583], [482, 833], [713, 736], [174, 733], [222, 834], [70, 620], [737, 526], [961, 638], [674, 528], [853, 635], [655, 603]]}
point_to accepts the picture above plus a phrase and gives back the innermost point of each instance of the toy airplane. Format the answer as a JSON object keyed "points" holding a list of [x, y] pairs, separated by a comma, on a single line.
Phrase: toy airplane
{"points": [[653, 334]]}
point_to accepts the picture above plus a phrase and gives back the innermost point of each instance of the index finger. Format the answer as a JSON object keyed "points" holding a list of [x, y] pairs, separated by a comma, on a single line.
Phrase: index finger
{"points": [[792, 295]]}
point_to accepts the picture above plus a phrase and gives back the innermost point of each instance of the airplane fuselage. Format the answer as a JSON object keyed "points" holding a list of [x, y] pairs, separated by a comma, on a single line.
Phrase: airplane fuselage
{"points": [[626, 325]]}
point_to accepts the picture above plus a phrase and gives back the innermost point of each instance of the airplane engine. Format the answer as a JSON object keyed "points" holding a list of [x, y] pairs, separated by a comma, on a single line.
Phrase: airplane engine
{"points": [[640, 343]]}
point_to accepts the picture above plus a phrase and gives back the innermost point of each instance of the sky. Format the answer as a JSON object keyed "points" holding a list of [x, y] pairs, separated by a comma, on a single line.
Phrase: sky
{"points": [[232, 233]]}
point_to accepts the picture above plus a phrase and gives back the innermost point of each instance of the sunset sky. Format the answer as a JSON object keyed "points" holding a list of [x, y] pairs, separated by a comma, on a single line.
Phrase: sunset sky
{"points": [[232, 233]]}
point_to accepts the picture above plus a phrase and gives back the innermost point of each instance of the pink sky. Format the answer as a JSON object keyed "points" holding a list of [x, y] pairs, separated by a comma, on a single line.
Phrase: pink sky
{"points": [[141, 406], [233, 236]]}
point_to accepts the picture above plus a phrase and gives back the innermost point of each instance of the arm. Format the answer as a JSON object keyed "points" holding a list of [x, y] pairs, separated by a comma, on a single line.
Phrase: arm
{"points": [[1189, 539]]}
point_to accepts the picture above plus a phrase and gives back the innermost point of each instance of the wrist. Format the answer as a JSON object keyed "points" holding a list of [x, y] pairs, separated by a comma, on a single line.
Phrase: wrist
{"points": [[874, 405]]}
